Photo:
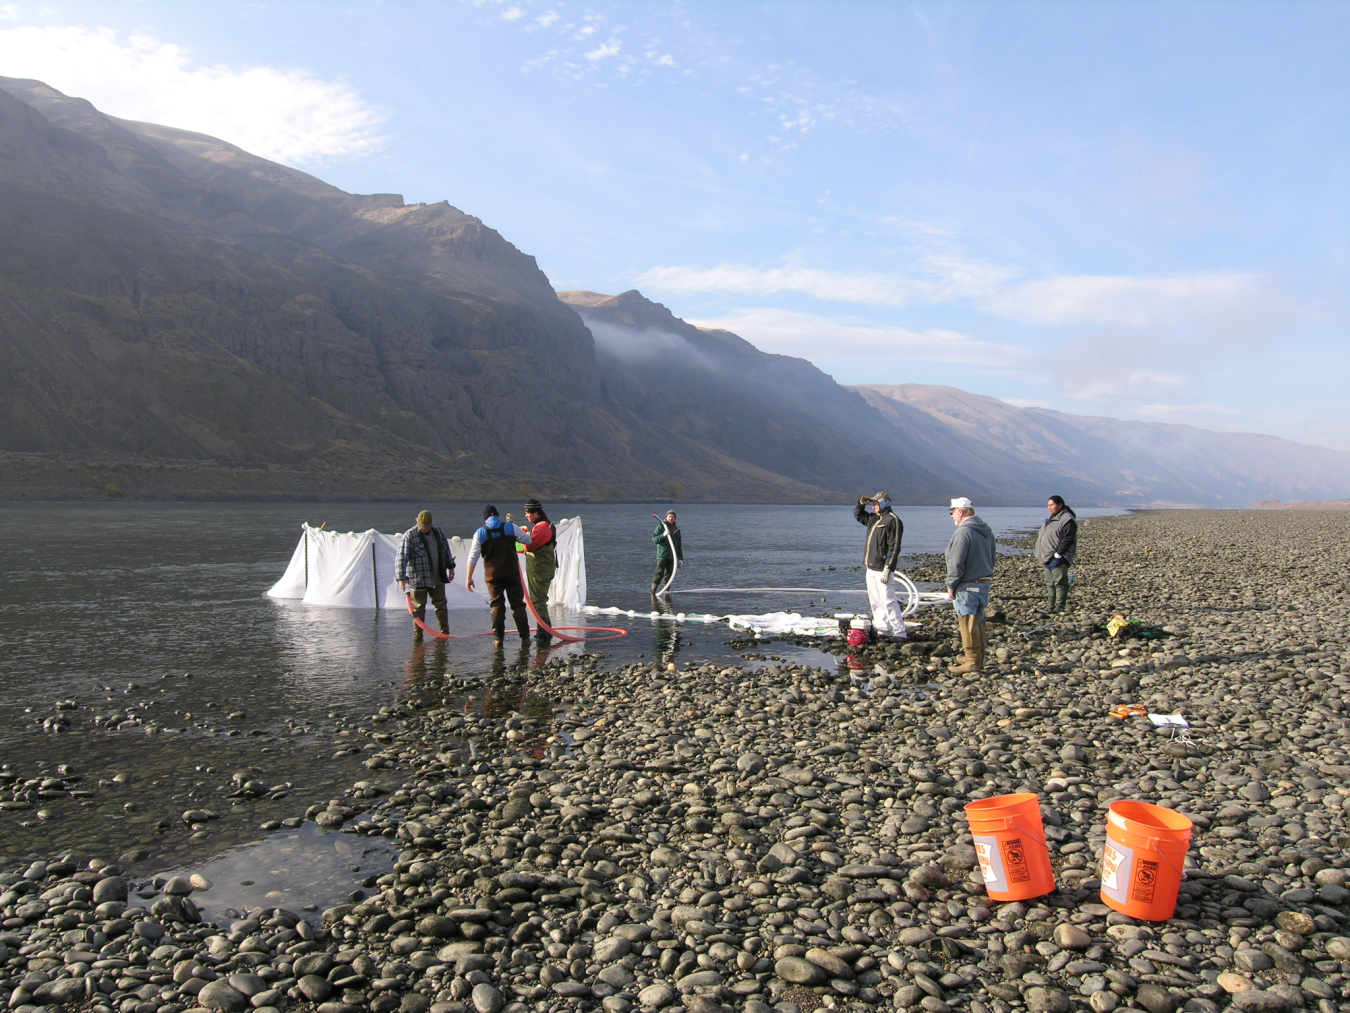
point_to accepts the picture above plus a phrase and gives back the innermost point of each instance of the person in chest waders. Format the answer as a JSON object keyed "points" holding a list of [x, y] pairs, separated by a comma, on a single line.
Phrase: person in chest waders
{"points": [[666, 532], [495, 544], [541, 560], [425, 565]]}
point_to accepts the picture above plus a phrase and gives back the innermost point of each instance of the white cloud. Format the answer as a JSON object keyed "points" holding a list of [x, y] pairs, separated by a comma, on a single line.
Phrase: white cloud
{"points": [[9, 12], [822, 339], [610, 48], [546, 19], [1120, 339], [1209, 300], [1228, 305], [540, 61], [941, 278], [513, 14], [1108, 380], [285, 114]]}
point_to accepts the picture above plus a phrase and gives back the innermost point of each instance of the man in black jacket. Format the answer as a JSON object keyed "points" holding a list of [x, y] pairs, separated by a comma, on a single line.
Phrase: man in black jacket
{"points": [[880, 559]]}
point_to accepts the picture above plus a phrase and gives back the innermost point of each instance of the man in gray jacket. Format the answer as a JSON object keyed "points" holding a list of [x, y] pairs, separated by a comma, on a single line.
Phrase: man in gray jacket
{"points": [[970, 571], [1056, 546]]}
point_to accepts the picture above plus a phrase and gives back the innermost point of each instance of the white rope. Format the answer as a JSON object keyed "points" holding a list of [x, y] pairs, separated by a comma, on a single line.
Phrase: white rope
{"points": [[781, 622], [914, 599], [674, 559], [771, 590]]}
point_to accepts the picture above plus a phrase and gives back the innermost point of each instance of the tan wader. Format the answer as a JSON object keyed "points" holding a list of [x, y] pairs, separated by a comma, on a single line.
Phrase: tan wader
{"points": [[436, 595], [974, 642]]}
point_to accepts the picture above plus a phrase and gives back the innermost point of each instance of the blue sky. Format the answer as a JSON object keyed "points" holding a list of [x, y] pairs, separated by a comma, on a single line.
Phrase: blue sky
{"points": [[1134, 209]]}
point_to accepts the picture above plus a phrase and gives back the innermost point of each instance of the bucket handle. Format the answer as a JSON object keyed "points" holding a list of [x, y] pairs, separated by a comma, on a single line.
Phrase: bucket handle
{"points": [[1034, 837], [1155, 842]]}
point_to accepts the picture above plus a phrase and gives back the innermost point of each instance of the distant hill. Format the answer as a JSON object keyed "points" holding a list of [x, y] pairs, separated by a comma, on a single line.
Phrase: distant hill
{"points": [[1018, 455]]}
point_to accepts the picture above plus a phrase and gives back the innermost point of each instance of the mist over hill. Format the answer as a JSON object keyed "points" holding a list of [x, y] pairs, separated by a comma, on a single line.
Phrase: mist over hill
{"points": [[181, 317]]}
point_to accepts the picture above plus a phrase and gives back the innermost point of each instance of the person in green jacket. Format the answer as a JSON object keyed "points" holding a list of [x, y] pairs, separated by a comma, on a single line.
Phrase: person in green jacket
{"points": [[666, 532]]}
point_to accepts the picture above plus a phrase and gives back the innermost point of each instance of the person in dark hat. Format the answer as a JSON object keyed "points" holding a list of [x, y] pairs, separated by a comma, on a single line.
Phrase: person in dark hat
{"points": [[495, 544], [541, 561], [669, 548]]}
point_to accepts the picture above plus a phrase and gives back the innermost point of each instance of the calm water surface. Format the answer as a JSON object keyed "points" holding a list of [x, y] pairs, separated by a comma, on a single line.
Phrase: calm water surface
{"points": [[155, 615]]}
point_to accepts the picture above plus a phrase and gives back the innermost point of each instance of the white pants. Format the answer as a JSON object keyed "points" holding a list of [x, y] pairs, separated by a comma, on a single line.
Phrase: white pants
{"points": [[885, 609]]}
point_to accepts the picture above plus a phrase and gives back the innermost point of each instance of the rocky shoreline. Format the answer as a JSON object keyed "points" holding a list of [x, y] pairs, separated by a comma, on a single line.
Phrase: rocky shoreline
{"points": [[785, 837]]}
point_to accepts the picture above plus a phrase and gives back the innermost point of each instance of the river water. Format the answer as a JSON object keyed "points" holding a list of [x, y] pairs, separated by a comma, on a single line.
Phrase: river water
{"points": [[115, 618]]}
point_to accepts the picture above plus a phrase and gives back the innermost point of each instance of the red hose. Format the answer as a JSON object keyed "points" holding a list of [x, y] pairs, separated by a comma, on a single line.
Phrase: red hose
{"points": [[550, 630], [553, 631], [412, 611]]}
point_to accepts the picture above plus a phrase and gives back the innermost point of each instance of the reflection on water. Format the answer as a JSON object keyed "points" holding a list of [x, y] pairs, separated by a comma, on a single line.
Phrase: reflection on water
{"points": [[144, 666], [666, 634]]}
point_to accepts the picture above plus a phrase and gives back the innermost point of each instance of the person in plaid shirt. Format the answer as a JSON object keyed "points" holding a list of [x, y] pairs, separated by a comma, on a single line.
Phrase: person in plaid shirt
{"points": [[426, 565]]}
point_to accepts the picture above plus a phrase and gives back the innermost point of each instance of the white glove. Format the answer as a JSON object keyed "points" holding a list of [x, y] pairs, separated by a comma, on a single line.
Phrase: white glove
{"points": [[886, 576]]}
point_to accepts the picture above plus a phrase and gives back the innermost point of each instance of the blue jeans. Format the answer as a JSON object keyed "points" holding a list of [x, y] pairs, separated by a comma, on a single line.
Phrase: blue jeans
{"points": [[971, 599]]}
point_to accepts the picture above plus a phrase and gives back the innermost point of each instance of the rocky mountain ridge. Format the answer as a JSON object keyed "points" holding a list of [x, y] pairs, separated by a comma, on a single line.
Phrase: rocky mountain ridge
{"points": [[179, 317], [174, 309]]}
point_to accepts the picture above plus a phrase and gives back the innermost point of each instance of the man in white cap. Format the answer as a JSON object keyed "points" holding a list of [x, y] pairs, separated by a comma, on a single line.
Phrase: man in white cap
{"points": [[880, 559], [970, 571]]}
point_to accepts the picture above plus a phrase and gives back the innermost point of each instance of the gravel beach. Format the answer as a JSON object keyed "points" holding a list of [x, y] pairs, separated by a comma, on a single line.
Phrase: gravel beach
{"points": [[710, 838]]}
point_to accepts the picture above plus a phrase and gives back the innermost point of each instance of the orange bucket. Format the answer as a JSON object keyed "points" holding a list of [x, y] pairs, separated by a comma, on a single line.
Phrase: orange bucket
{"points": [[1010, 845], [1143, 860]]}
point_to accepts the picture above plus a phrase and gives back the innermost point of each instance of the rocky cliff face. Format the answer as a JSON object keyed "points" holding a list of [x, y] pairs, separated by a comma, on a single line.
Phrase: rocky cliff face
{"points": [[168, 297]]}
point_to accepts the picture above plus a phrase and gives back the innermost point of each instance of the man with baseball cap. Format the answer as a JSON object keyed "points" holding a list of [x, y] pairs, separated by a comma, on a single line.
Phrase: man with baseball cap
{"points": [[425, 564], [970, 571], [880, 559]]}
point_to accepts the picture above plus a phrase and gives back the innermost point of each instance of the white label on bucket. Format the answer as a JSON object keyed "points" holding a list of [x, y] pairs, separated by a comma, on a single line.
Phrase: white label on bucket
{"points": [[1111, 859], [983, 852], [991, 861]]}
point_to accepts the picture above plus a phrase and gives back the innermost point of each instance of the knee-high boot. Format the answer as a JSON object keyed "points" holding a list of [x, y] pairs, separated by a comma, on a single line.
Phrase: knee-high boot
{"points": [[1061, 595], [969, 632]]}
